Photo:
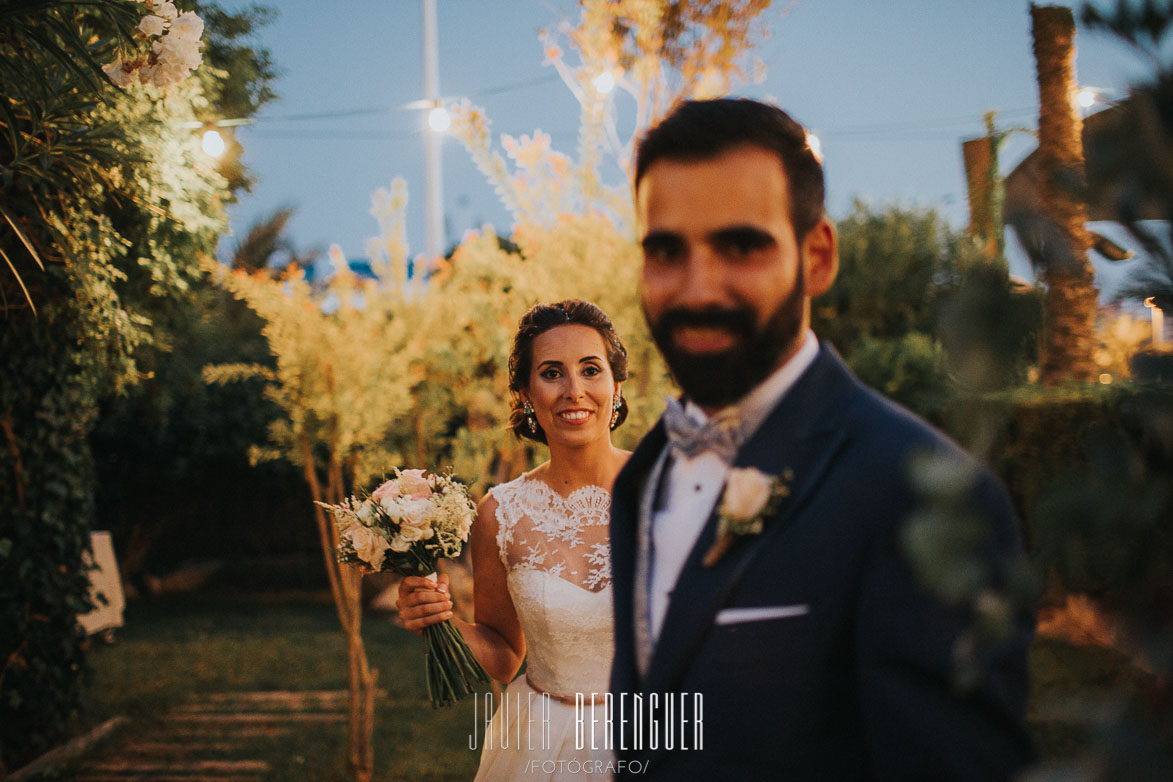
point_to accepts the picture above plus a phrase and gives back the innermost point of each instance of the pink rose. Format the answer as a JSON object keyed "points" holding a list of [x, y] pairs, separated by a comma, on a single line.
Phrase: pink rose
{"points": [[370, 546], [414, 484], [387, 489]]}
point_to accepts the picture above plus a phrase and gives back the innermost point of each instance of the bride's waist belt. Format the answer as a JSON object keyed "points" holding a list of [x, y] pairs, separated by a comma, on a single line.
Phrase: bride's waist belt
{"points": [[570, 699]]}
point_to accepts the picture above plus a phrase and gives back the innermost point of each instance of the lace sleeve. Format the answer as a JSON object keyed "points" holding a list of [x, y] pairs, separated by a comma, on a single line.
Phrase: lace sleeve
{"points": [[538, 529], [508, 513]]}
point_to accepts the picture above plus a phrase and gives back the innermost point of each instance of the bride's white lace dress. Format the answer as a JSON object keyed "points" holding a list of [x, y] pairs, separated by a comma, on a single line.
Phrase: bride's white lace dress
{"points": [[557, 558]]}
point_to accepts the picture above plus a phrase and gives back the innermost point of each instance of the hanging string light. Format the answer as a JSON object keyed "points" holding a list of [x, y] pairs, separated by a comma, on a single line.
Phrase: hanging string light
{"points": [[213, 143]]}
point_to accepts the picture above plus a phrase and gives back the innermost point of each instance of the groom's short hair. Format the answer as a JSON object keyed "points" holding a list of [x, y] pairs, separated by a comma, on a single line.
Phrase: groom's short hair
{"points": [[699, 130]]}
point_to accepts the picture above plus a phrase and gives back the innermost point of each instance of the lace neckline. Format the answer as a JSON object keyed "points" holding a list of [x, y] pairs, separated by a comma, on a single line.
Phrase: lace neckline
{"points": [[539, 529], [589, 489]]}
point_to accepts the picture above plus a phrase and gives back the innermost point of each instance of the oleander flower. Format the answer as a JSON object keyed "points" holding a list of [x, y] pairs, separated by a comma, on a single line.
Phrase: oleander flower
{"points": [[171, 48], [152, 25], [187, 25], [119, 73], [165, 9]]}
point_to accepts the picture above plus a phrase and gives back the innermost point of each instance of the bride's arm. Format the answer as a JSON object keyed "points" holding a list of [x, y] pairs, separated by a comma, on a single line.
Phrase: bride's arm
{"points": [[495, 638]]}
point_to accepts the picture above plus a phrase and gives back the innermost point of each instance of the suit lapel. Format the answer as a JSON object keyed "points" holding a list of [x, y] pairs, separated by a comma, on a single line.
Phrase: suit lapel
{"points": [[625, 508], [801, 434]]}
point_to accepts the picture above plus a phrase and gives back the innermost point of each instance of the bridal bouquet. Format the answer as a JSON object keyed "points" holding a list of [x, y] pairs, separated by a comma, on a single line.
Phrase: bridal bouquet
{"points": [[404, 526]]}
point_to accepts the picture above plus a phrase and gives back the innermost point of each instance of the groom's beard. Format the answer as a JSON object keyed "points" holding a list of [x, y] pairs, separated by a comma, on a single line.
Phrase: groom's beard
{"points": [[714, 380]]}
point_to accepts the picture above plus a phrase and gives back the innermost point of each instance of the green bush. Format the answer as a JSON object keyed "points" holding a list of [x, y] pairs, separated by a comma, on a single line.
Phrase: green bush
{"points": [[909, 369], [107, 208], [43, 532]]}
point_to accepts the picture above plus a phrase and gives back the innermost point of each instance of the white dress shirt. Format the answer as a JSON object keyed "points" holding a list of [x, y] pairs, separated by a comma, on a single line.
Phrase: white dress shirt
{"points": [[691, 487]]}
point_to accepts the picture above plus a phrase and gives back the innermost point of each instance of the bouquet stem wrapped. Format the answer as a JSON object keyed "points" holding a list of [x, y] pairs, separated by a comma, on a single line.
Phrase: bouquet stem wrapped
{"points": [[406, 526], [451, 667]]}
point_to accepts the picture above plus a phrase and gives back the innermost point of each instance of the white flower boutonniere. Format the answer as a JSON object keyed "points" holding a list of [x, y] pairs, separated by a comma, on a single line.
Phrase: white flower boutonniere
{"points": [[750, 496]]}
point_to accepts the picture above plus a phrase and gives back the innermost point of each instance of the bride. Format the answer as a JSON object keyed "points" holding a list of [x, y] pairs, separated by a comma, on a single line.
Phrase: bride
{"points": [[541, 554]]}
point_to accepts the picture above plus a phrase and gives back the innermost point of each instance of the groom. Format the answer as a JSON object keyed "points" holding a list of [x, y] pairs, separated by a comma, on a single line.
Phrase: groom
{"points": [[780, 615]]}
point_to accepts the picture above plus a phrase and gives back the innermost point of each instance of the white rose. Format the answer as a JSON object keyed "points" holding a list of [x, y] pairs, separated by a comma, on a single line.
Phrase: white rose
{"points": [[392, 508], [412, 534], [417, 512], [370, 546], [465, 524], [399, 545], [366, 513], [746, 493], [152, 25]]}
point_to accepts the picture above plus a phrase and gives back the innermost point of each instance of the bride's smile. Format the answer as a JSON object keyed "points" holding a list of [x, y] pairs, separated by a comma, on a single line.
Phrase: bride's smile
{"points": [[574, 416]]}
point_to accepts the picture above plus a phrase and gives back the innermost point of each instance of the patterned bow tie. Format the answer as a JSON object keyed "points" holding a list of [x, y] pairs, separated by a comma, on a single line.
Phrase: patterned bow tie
{"points": [[720, 434]]}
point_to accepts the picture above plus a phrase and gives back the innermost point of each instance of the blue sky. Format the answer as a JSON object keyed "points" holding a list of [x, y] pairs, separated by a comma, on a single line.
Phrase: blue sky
{"points": [[890, 86]]}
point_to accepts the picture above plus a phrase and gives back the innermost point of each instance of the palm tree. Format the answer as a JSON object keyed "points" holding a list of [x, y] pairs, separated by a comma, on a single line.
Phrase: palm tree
{"points": [[50, 74], [1058, 241], [264, 239]]}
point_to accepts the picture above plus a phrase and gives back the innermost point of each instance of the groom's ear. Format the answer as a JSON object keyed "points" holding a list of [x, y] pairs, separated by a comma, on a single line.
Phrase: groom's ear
{"points": [[820, 251]]}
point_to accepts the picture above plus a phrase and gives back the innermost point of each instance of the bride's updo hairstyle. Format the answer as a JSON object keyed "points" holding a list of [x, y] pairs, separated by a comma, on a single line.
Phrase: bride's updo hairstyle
{"points": [[540, 319]]}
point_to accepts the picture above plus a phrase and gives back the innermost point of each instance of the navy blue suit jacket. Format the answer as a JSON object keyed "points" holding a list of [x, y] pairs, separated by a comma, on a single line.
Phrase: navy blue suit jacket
{"points": [[859, 686]]}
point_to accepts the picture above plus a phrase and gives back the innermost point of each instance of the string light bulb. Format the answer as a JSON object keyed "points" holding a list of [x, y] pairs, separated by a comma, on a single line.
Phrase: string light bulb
{"points": [[213, 143], [815, 146], [1086, 98], [604, 82], [439, 120]]}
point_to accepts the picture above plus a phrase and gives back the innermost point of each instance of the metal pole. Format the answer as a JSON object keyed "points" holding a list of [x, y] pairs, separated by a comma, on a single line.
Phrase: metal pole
{"points": [[434, 174]]}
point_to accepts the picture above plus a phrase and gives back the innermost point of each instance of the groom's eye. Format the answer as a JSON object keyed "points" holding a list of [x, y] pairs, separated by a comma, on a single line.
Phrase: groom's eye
{"points": [[662, 248], [741, 242]]}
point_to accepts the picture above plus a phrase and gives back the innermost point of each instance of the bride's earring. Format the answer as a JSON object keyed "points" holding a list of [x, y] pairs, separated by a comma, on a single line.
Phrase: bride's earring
{"points": [[531, 420], [615, 409]]}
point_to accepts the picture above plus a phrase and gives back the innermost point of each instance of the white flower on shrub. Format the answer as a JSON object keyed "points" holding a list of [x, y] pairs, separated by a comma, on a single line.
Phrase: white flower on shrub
{"points": [[152, 25], [120, 73], [174, 40]]}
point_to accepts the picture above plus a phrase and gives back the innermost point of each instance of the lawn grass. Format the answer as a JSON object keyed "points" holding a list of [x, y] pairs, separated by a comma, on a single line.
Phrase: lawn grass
{"points": [[175, 650], [178, 649]]}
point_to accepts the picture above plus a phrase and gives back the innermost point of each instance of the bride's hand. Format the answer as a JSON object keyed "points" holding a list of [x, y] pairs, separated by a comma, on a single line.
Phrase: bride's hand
{"points": [[422, 602]]}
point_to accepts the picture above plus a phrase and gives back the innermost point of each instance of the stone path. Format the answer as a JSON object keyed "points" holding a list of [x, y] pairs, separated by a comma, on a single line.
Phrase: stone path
{"points": [[214, 739]]}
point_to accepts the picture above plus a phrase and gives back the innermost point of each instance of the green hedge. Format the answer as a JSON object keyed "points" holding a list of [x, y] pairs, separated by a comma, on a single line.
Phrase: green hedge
{"points": [[1091, 471], [46, 507]]}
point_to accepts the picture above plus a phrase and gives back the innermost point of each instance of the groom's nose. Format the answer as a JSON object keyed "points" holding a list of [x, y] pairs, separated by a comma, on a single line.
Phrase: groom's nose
{"points": [[702, 282]]}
